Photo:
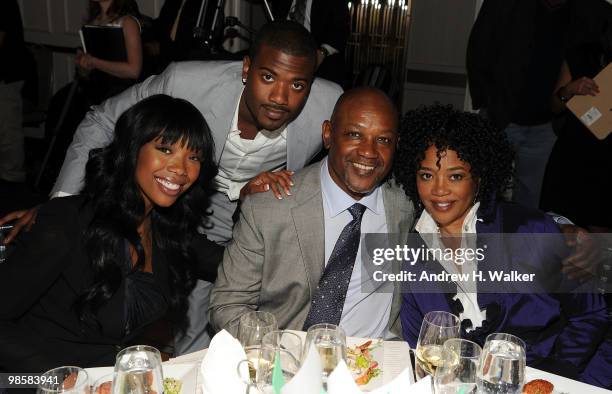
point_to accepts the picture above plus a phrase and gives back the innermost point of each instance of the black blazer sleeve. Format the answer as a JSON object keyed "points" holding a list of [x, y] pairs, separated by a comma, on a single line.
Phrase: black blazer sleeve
{"points": [[37, 258], [209, 255]]}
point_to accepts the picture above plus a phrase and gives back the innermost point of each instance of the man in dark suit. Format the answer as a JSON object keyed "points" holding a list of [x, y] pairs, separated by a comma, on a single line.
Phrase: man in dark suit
{"points": [[329, 23]]}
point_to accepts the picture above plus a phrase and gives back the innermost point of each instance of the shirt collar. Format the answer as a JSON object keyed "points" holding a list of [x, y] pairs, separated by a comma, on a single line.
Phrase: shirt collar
{"points": [[427, 225], [337, 201], [267, 133]]}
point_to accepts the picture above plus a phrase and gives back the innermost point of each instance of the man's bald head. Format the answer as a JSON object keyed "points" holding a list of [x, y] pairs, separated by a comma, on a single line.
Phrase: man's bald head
{"points": [[364, 97], [361, 137]]}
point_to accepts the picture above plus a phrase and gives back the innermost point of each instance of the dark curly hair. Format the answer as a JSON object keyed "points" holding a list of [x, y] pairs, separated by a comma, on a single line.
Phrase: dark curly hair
{"points": [[118, 205], [476, 141]]}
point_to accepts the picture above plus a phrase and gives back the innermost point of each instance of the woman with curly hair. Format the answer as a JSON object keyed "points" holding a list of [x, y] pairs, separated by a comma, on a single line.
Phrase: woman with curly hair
{"points": [[97, 268], [455, 166]]}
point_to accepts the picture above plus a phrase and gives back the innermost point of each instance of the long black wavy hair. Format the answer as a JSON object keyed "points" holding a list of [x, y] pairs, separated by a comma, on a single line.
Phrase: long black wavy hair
{"points": [[118, 204], [475, 140]]}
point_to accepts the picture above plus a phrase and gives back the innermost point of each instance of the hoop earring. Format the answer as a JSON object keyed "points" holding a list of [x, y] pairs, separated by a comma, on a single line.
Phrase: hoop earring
{"points": [[244, 81]]}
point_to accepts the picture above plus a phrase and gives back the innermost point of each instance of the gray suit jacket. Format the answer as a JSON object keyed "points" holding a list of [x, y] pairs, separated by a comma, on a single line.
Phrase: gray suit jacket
{"points": [[214, 88], [277, 254]]}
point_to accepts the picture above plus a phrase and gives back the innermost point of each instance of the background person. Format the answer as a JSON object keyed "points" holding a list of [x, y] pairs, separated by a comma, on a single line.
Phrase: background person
{"points": [[579, 160], [329, 23], [97, 268], [455, 164], [12, 75], [103, 78], [514, 54]]}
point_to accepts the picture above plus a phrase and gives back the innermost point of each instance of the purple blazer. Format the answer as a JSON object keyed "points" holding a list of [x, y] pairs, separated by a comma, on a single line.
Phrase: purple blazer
{"points": [[562, 332]]}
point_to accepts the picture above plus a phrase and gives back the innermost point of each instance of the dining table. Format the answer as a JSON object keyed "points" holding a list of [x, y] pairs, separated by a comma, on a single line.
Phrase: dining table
{"points": [[394, 357]]}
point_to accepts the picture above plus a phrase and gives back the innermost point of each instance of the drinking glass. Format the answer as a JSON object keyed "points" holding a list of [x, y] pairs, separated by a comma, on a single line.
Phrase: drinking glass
{"points": [[284, 340], [502, 365], [458, 370], [266, 379], [330, 342], [138, 369], [253, 326], [69, 379], [437, 328], [103, 385]]}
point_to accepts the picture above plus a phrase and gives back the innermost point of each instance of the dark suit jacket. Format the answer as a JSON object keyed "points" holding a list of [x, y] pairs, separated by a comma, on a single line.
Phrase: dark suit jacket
{"points": [[499, 56], [39, 283], [561, 331]]}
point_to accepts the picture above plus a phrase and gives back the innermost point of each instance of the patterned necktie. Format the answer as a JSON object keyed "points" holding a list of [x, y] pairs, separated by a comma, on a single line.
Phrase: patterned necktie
{"points": [[328, 300], [299, 12]]}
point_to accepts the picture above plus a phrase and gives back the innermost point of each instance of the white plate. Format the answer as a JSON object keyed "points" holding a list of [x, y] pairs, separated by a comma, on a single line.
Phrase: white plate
{"points": [[186, 373]]}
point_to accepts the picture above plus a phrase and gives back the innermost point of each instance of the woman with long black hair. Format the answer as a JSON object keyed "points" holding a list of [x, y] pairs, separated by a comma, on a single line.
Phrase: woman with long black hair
{"points": [[97, 268]]}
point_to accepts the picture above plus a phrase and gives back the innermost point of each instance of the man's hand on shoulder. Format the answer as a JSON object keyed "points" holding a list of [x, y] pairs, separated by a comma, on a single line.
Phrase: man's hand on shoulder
{"points": [[278, 181], [25, 219]]}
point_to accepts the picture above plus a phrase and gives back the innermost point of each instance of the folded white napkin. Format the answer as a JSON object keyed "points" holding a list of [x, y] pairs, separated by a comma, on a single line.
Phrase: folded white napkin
{"points": [[341, 381], [308, 380], [220, 366]]}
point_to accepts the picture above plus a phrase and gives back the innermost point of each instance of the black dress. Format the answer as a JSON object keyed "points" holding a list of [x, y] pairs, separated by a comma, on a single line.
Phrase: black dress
{"points": [[579, 169], [48, 270]]}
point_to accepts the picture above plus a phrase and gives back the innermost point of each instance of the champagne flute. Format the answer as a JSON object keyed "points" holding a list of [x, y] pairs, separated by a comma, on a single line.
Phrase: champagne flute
{"points": [[138, 369], [330, 342], [252, 327], [437, 328], [458, 370], [68, 379], [502, 365]]}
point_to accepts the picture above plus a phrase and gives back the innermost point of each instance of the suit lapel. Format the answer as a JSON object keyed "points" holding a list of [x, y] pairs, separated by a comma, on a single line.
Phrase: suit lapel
{"points": [[399, 215], [221, 113], [310, 226]]}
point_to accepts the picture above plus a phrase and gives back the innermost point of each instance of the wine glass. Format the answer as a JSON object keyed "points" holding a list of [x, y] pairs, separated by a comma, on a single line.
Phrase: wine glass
{"points": [[268, 380], [330, 342], [68, 379], [252, 327], [502, 365], [437, 328], [284, 340], [458, 370], [283, 347], [138, 369]]}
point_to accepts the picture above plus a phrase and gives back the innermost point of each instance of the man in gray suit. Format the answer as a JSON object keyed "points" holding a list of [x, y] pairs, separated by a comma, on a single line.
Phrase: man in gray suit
{"points": [[282, 251], [264, 114]]}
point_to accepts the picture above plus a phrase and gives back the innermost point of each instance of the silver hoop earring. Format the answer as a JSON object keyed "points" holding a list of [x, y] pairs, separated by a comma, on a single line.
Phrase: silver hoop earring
{"points": [[244, 81]]}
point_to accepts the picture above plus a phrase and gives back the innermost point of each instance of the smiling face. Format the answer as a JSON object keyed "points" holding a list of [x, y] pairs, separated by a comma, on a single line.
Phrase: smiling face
{"points": [[165, 171], [446, 188], [276, 90], [361, 139]]}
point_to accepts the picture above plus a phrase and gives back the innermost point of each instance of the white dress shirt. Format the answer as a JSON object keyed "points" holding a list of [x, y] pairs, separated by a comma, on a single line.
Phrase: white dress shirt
{"points": [[364, 314], [243, 159], [466, 291]]}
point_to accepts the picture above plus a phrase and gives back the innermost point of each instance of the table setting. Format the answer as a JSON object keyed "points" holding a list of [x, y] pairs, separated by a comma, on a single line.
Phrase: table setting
{"points": [[252, 356]]}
